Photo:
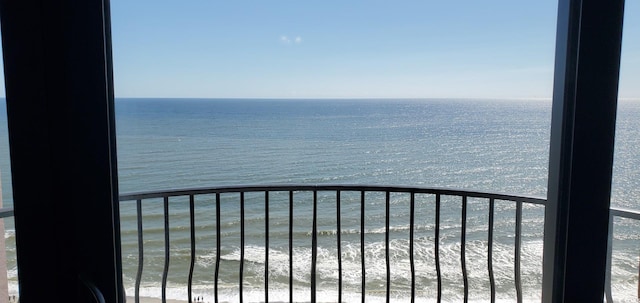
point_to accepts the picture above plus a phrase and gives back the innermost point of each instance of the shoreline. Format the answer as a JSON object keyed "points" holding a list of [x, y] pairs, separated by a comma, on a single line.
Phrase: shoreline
{"points": [[154, 300]]}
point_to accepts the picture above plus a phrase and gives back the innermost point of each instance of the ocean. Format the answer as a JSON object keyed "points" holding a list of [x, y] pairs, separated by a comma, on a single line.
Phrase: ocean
{"points": [[486, 145]]}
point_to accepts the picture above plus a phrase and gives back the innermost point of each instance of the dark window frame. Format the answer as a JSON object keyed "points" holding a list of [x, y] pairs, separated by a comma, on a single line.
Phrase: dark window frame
{"points": [[59, 92], [585, 95], [59, 87]]}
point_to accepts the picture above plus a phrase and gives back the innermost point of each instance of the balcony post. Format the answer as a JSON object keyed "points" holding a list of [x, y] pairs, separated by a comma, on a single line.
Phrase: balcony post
{"points": [[585, 93]]}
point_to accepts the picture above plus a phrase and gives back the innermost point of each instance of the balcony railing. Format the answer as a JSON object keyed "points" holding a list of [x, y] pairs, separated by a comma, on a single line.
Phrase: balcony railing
{"points": [[328, 214], [617, 213], [197, 201]]}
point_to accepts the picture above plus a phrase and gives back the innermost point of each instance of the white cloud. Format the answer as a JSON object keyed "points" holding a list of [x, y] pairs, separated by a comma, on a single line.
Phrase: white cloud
{"points": [[286, 40]]}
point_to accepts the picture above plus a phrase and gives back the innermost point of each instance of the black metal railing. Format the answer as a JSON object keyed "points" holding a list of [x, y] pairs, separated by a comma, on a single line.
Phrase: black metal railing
{"points": [[6, 212], [336, 194], [289, 190], [614, 213]]}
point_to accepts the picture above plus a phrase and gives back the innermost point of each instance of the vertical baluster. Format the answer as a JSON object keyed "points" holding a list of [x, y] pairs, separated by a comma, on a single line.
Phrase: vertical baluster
{"points": [[140, 249], [437, 248], [165, 270], [266, 246], [192, 221], [339, 245], [492, 280], [463, 244], [290, 246], [411, 260], [386, 245], [218, 242], [241, 273], [607, 285], [518, 250], [362, 231], [314, 246]]}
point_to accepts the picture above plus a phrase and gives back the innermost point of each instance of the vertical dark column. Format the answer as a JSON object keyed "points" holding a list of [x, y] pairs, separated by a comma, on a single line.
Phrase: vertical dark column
{"points": [[581, 153], [57, 61]]}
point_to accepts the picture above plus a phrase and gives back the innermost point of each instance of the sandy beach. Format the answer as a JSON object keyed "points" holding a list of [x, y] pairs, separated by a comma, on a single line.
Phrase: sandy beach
{"points": [[156, 300], [153, 300]]}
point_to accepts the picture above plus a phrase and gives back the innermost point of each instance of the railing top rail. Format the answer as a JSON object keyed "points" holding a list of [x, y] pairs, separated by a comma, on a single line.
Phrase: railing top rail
{"points": [[330, 187], [625, 213], [6, 212]]}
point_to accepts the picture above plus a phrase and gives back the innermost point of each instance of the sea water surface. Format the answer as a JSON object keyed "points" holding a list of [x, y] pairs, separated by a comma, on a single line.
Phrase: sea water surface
{"points": [[487, 145]]}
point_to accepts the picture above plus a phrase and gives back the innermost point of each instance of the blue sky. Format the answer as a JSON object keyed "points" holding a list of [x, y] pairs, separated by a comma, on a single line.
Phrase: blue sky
{"points": [[343, 49]]}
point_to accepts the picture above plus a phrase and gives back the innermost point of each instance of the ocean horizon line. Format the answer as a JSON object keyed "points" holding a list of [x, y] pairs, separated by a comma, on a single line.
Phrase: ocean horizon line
{"points": [[359, 99], [386, 99]]}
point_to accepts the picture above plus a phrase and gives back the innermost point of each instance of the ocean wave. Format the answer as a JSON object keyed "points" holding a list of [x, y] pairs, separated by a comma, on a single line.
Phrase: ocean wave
{"points": [[303, 294], [375, 261], [376, 271]]}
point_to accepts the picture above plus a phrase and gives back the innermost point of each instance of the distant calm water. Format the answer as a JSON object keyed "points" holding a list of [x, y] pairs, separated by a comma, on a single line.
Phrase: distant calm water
{"points": [[496, 146]]}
